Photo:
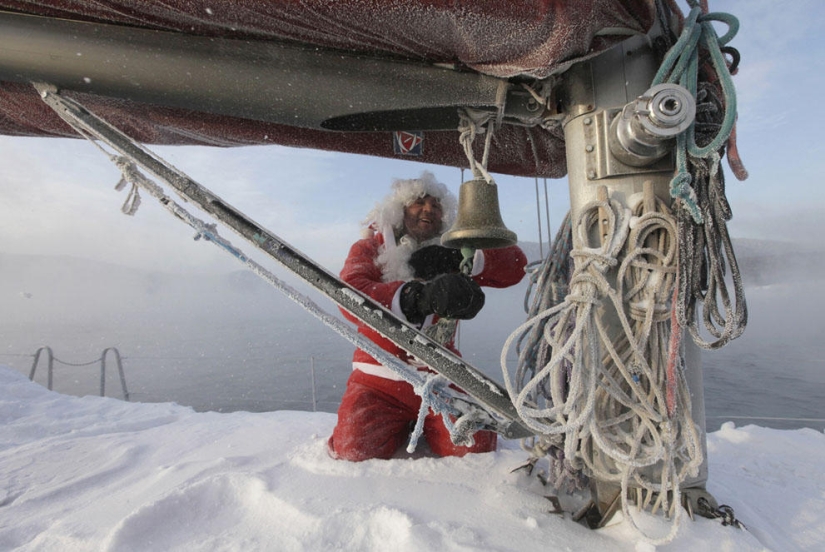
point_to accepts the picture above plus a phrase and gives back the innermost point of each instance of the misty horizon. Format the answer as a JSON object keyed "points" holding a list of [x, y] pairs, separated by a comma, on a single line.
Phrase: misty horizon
{"points": [[228, 341]]}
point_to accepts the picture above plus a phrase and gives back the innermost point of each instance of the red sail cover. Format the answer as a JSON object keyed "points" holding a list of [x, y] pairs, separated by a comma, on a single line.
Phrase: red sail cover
{"points": [[498, 38]]}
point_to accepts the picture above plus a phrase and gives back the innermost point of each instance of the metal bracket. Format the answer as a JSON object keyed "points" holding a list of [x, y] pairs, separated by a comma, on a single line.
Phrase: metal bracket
{"points": [[600, 162], [577, 93]]}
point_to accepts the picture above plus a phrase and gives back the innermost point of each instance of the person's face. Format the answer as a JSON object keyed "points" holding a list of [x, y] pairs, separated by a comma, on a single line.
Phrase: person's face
{"points": [[423, 218]]}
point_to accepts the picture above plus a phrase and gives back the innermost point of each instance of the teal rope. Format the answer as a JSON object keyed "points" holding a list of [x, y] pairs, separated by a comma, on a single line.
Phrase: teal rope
{"points": [[466, 266], [680, 185], [681, 65]]}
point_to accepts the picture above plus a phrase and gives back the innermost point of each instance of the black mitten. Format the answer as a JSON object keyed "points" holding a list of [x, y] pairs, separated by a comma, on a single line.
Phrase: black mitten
{"points": [[432, 260], [452, 296], [410, 294], [448, 296]]}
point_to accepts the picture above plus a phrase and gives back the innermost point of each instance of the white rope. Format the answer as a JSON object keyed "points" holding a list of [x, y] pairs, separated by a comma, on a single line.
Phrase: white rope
{"points": [[474, 122], [600, 393], [432, 390], [541, 100], [130, 206]]}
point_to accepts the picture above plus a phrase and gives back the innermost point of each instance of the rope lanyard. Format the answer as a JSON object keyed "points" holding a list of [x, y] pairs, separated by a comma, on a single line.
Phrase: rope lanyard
{"points": [[472, 122]]}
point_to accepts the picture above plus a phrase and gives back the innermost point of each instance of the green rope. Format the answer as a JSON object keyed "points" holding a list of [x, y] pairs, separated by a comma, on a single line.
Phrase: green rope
{"points": [[681, 65], [681, 185], [466, 266], [706, 257]]}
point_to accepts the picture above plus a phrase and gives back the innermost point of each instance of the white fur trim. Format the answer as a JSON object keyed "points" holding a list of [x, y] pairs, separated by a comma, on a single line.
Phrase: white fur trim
{"points": [[382, 371], [395, 307], [393, 258], [377, 370], [478, 263]]}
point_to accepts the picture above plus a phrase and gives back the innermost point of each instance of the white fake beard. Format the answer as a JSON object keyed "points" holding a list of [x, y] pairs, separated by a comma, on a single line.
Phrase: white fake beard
{"points": [[394, 259]]}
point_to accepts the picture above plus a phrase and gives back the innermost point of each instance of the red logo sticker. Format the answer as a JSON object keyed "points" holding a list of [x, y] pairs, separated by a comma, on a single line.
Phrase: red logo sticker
{"points": [[407, 142]]}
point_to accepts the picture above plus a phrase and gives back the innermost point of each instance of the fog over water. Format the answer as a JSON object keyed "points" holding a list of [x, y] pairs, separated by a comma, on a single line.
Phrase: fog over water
{"points": [[230, 342]]}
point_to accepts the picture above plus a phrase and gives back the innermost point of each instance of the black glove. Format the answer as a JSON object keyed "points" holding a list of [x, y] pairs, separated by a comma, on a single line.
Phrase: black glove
{"points": [[448, 296], [428, 262]]}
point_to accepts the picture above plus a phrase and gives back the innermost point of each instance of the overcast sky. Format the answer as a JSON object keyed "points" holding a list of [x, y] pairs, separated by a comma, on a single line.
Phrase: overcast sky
{"points": [[57, 195]]}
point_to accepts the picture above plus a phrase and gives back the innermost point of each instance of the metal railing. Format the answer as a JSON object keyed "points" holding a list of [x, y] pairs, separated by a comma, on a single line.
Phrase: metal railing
{"points": [[51, 359]]}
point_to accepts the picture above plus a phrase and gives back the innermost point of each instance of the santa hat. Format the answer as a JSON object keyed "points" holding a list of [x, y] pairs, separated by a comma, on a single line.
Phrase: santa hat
{"points": [[389, 212]]}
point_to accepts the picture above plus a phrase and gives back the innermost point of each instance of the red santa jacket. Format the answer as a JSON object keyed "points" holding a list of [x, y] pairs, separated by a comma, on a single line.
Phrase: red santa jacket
{"points": [[496, 268]]}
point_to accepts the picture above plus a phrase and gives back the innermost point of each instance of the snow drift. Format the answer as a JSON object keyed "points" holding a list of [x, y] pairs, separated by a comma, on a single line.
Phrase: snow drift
{"points": [[101, 474]]}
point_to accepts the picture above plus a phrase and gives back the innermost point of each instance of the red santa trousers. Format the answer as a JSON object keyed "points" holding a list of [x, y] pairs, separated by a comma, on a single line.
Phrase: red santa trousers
{"points": [[376, 418]]}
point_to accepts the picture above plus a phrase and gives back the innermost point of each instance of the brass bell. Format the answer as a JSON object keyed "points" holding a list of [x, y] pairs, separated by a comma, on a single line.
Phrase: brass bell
{"points": [[478, 224]]}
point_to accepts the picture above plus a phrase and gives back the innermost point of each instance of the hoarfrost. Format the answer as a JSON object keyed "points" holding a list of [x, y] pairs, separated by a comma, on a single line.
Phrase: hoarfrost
{"points": [[355, 297]]}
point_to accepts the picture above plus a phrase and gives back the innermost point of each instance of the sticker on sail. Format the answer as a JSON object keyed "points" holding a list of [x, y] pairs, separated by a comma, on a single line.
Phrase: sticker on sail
{"points": [[406, 142]]}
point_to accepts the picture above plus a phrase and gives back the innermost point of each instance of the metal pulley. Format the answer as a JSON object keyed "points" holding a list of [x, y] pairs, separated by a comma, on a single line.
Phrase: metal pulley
{"points": [[646, 127], [478, 224]]}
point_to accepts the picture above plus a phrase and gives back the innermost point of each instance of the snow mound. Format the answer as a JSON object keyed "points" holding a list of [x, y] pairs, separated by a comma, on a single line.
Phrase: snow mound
{"points": [[101, 474]]}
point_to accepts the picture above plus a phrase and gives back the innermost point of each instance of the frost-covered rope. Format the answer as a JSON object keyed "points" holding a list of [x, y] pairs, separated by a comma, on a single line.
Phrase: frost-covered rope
{"points": [[598, 397], [461, 430], [681, 65], [706, 258], [698, 186], [438, 396], [547, 284], [553, 269], [588, 289], [473, 122]]}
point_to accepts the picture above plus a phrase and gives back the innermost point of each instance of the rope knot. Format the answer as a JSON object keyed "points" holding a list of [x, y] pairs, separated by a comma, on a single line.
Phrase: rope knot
{"points": [[681, 190], [432, 390]]}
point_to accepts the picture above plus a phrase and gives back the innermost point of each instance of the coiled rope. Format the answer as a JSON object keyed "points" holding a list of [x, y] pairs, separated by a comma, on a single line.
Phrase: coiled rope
{"points": [[706, 256], [702, 210], [607, 403], [614, 407]]}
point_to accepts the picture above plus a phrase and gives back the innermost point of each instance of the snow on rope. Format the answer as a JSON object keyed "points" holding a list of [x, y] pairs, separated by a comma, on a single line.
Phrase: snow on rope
{"points": [[593, 375], [697, 62]]}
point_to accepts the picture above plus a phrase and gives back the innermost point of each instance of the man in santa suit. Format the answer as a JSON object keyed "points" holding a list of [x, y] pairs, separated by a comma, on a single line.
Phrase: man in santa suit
{"points": [[401, 265]]}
